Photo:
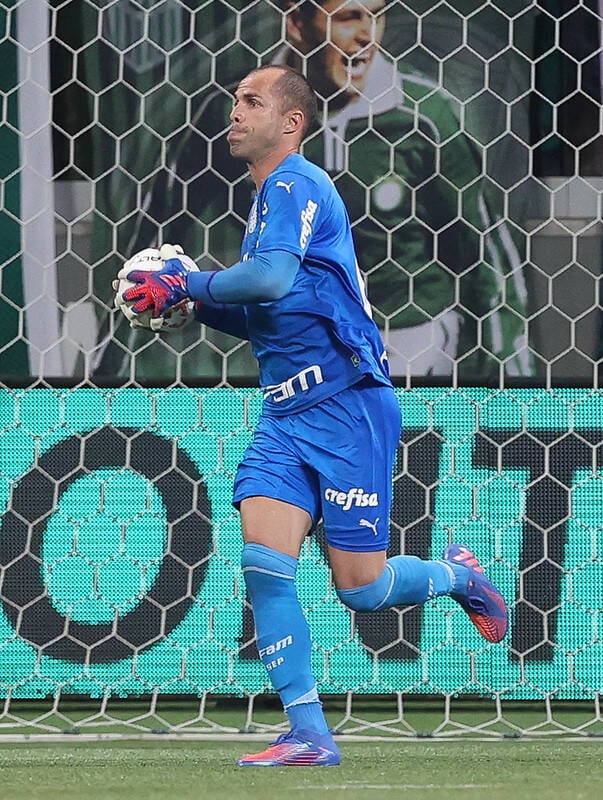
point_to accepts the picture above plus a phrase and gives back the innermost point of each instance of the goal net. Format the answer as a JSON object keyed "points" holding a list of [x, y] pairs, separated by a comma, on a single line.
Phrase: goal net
{"points": [[465, 138]]}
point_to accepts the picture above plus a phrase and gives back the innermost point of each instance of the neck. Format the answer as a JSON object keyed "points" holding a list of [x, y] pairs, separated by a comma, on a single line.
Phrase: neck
{"points": [[260, 170]]}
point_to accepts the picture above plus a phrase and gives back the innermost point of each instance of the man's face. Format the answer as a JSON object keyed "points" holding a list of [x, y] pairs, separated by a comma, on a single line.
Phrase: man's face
{"points": [[343, 37], [257, 120]]}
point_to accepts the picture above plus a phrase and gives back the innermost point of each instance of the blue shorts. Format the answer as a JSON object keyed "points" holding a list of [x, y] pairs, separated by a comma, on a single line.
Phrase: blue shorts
{"points": [[335, 460]]}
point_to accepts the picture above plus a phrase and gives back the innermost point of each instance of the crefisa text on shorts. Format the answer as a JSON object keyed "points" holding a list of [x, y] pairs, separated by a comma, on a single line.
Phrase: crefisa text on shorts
{"points": [[357, 497]]}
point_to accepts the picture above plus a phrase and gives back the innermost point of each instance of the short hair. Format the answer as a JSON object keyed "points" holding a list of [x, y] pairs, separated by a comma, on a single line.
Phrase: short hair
{"points": [[293, 90], [305, 8]]}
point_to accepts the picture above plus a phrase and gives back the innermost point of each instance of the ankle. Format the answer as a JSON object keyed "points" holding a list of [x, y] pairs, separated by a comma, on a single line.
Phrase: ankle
{"points": [[460, 577], [307, 716]]}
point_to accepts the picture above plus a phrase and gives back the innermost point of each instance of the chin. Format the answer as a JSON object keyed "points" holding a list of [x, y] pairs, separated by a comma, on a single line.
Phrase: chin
{"points": [[359, 84], [351, 86], [236, 151], [337, 88]]}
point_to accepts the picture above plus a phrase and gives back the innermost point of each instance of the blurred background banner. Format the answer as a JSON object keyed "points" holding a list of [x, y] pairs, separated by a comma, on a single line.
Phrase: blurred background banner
{"points": [[465, 138], [14, 349], [120, 549], [431, 276]]}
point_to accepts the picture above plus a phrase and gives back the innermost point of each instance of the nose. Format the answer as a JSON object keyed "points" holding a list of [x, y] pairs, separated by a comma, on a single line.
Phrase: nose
{"points": [[235, 114], [365, 31]]}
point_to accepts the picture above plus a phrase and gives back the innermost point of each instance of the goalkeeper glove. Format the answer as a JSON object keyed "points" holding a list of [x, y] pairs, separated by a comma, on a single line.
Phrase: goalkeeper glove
{"points": [[158, 291]]}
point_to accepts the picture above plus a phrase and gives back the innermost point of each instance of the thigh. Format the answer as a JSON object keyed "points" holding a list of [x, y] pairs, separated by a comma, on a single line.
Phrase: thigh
{"points": [[352, 449], [273, 468], [351, 569], [274, 523]]}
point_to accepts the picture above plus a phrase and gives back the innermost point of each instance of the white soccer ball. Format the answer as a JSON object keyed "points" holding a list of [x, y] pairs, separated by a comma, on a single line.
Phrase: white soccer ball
{"points": [[153, 259]]}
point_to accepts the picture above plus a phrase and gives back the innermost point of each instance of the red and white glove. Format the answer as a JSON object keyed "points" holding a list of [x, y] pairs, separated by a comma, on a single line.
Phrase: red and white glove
{"points": [[151, 283]]}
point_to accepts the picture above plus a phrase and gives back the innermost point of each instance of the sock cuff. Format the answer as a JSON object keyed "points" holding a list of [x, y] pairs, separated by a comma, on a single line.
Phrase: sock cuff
{"points": [[459, 575], [308, 697], [265, 559]]}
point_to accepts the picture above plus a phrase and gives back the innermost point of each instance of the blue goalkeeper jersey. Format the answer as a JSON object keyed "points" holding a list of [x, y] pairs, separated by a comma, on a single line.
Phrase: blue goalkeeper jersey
{"points": [[320, 337]]}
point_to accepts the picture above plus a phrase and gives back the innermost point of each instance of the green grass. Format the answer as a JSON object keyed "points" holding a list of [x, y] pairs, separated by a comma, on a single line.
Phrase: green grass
{"points": [[178, 770]]}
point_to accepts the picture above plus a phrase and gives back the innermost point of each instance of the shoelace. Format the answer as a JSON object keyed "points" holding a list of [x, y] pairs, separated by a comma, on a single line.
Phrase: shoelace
{"points": [[284, 738], [468, 559]]}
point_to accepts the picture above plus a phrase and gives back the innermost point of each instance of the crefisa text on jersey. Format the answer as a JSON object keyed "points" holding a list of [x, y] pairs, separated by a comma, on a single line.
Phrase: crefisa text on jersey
{"points": [[307, 218]]}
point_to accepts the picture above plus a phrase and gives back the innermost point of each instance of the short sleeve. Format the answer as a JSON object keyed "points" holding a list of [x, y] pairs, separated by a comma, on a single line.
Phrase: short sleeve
{"points": [[290, 211]]}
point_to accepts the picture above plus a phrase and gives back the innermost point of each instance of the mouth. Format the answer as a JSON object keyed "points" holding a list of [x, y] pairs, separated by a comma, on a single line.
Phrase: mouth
{"points": [[356, 65], [235, 134]]}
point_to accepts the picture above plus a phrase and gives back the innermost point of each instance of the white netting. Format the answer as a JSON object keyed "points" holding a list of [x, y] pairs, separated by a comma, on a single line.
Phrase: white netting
{"points": [[470, 159], [120, 552]]}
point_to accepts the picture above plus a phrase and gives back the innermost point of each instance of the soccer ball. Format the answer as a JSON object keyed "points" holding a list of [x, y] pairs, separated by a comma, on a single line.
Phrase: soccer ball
{"points": [[153, 259]]}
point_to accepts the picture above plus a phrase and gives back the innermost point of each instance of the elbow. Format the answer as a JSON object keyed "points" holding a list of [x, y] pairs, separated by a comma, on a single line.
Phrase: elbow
{"points": [[270, 291]]}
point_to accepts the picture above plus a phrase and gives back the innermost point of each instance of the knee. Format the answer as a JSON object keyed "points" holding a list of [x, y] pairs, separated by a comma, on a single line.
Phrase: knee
{"points": [[264, 568], [370, 597]]}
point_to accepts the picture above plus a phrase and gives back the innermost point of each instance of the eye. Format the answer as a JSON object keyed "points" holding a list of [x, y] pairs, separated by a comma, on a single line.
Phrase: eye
{"points": [[346, 16]]}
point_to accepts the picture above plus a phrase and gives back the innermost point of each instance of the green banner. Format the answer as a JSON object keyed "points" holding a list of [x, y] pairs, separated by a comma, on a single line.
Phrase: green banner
{"points": [[120, 549]]}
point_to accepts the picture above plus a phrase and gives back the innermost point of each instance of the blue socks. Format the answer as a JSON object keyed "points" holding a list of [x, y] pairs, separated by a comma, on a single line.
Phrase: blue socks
{"points": [[405, 580], [284, 643]]}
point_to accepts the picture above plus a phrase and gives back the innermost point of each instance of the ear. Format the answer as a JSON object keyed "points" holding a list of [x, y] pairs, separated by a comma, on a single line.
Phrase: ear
{"points": [[294, 27], [294, 122]]}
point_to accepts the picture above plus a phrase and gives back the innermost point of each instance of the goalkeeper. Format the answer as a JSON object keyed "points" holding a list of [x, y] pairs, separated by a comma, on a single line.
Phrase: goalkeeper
{"points": [[446, 289], [327, 436]]}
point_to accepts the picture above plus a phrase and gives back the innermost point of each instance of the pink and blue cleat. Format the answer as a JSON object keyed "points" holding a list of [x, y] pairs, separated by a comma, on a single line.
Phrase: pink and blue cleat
{"points": [[482, 601], [296, 748]]}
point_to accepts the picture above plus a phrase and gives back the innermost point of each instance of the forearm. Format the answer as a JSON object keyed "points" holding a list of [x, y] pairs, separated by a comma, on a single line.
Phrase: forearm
{"points": [[259, 280]]}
